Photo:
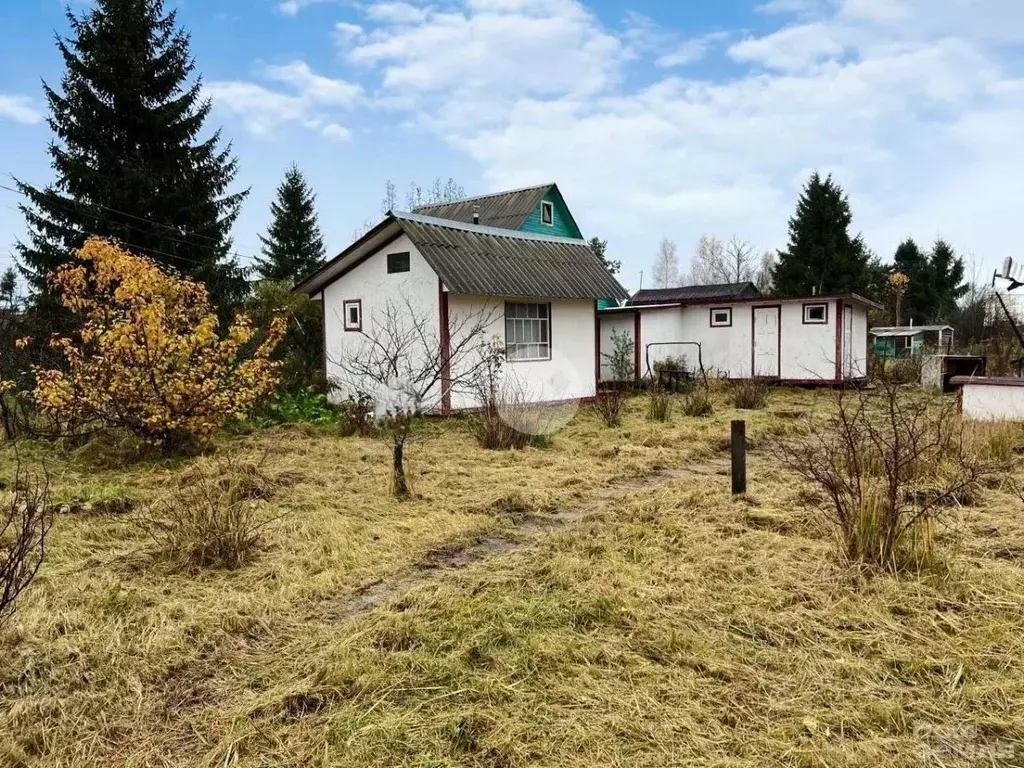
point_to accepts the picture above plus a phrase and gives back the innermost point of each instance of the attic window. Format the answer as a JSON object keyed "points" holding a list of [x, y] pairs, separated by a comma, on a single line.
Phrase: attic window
{"points": [[398, 262], [547, 213], [721, 317], [815, 314]]}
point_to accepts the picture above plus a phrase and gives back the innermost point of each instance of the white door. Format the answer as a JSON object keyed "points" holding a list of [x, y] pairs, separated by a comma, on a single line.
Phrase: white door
{"points": [[848, 363], [766, 341]]}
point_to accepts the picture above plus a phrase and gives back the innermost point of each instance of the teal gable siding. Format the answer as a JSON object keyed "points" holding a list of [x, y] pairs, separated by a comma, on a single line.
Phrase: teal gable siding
{"points": [[564, 226]]}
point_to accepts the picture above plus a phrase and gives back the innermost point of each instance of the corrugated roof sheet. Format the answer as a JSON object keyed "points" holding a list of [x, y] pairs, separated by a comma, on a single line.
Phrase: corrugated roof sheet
{"points": [[694, 293], [497, 262], [907, 330], [506, 210]]}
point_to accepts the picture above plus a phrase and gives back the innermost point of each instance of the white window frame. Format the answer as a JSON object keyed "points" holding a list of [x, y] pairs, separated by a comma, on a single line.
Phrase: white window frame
{"points": [[823, 320], [527, 331], [549, 207], [346, 314], [715, 322]]}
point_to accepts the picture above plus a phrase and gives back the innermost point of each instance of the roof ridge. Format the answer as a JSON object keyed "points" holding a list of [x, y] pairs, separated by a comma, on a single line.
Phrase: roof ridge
{"points": [[483, 197], [513, 234]]}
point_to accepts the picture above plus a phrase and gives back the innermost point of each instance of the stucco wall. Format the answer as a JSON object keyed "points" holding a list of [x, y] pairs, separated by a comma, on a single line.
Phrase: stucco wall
{"points": [[569, 374], [375, 288], [620, 322], [860, 343], [990, 402], [808, 351]]}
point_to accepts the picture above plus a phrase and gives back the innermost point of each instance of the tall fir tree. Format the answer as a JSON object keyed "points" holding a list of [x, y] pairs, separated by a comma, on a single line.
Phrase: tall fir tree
{"points": [[948, 285], [599, 247], [128, 157], [821, 257], [920, 302], [294, 245]]}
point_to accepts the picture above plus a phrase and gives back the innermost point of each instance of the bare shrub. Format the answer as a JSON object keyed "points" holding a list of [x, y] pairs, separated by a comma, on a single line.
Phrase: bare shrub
{"points": [[510, 422], [24, 525], [750, 394], [356, 416], [699, 402], [659, 405], [212, 516], [890, 463], [609, 406]]}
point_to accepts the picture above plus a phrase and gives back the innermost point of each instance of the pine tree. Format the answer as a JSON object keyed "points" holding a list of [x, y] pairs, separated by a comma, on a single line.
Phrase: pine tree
{"points": [[947, 272], [822, 257], [127, 156], [919, 303], [599, 247], [294, 246]]}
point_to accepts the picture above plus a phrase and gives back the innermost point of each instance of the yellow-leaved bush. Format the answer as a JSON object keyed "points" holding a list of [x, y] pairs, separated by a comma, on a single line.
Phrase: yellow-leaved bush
{"points": [[148, 356]]}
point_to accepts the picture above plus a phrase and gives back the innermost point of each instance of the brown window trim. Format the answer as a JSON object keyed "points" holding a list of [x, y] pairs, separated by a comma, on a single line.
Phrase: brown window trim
{"points": [[711, 317], [803, 313], [551, 336], [344, 315]]}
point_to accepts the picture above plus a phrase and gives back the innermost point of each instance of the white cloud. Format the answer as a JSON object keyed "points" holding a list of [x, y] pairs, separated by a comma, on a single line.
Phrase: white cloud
{"points": [[293, 7], [790, 48], [313, 87], [692, 50], [264, 109], [494, 47], [913, 104], [21, 109], [337, 132], [345, 32]]}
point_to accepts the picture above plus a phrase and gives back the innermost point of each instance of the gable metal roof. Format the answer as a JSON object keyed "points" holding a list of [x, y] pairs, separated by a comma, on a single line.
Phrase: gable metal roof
{"points": [[694, 293], [499, 262], [484, 260], [506, 210]]}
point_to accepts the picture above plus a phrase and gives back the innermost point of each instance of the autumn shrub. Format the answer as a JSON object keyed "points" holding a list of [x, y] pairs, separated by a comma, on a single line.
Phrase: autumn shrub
{"points": [[749, 394], [609, 405], [212, 516], [659, 405], [24, 525], [148, 356]]}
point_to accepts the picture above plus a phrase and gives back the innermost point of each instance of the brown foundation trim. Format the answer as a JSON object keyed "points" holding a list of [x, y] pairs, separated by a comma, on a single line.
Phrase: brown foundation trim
{"points": [[446, 350], [636, 345]]}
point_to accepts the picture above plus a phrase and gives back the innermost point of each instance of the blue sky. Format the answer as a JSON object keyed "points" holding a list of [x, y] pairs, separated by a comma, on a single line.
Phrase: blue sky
{"points": [[657, 119]]}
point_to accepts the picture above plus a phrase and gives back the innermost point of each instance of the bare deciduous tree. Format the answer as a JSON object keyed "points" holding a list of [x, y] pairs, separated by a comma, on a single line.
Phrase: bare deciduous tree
{"points": [[666, 265], [763, 280], [716, 261], [401, 358], [24, 525]]}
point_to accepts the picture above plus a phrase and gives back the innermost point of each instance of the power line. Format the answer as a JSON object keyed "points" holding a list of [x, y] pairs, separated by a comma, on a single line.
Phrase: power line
{"points": [[72, 205]]}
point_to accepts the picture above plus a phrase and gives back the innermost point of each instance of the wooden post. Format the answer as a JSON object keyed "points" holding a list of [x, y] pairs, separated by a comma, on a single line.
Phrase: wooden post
{"points": [[739, 456]]}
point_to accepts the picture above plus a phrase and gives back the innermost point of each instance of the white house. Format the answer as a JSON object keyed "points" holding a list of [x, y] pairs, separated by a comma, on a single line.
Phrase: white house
{"points": [[810, 340], [426, 287]]}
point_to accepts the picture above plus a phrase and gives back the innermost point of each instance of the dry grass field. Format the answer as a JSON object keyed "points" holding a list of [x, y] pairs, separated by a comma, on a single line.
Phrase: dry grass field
{"points": [[603, 601]]}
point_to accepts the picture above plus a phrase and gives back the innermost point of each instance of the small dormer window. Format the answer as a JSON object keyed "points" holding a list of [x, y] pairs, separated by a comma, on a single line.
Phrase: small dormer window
{"points": [[547, 213]]}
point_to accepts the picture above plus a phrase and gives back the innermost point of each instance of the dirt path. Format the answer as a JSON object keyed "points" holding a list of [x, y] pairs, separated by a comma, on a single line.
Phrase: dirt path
{"points": [[528, 529]]}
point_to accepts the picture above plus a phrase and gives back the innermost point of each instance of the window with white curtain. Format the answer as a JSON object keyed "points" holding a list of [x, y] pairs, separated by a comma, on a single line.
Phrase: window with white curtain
{"points": [[527, 331]]}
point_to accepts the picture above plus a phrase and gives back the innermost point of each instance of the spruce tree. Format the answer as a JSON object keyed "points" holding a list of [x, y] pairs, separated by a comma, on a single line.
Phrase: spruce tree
{"points": [[919, 303], [294, 246], [599, 247], [128, 157], [821, 257], [947, 271]]}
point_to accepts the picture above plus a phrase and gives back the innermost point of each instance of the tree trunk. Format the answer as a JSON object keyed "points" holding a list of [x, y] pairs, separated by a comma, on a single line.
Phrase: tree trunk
{"points": [[401, 485]]}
